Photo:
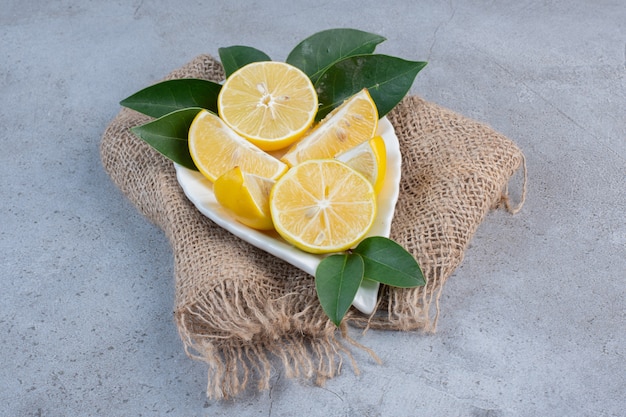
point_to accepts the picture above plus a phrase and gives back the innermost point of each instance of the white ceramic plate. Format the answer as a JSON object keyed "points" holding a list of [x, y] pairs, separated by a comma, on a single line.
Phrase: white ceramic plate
{"points": [[199, 190]]}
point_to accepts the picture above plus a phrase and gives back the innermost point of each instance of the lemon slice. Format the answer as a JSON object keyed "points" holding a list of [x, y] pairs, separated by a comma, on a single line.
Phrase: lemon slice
{"points": [[370, 159], [269, 103], [352, 123], [215, 149], [323, 206], [246, 197]]}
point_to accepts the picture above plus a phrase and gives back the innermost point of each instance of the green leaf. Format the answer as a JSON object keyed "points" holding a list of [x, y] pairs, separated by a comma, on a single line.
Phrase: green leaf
{"points": [[168, 96], [320, 50], [387, 78], [168, 135], [389, 263], [337, 280], [237, 56]]}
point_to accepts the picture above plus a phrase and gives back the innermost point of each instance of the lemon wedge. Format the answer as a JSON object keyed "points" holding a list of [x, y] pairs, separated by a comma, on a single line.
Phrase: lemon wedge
{"points": [[246, 197], [215, 149], [352, 123], [370, 159]]}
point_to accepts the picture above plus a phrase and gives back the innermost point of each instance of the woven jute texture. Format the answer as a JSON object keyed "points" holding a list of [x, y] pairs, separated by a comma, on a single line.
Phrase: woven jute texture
{"points": [[245, 312]]}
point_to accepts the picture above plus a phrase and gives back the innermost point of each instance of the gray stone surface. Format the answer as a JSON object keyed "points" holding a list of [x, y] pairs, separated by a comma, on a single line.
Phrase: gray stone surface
{"points": [[532, 323]]}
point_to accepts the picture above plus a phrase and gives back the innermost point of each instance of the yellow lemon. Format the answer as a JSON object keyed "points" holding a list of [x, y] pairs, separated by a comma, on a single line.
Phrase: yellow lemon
{"points": [[352, 123], [370, 159], [246, 197], [215, 149], [269, 103], [323, 206]]}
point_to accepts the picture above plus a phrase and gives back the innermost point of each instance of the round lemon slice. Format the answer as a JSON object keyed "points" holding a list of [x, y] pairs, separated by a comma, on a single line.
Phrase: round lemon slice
{"points": [[323, 206], [269, 103]]}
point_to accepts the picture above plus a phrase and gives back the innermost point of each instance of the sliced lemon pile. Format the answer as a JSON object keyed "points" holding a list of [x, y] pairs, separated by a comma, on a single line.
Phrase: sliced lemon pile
{"points": [[215, 149], [370, 159], [352, 123], [323, 206], [270, 103], [246, 196], [317, 203]]}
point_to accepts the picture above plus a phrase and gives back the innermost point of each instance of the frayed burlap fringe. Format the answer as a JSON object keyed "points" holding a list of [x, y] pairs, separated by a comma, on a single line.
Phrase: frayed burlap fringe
{"points": [[241, 310]]}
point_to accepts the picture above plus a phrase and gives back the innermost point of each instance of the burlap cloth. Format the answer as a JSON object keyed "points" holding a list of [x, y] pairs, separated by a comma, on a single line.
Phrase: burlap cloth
{"points": [[245, 312]]}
